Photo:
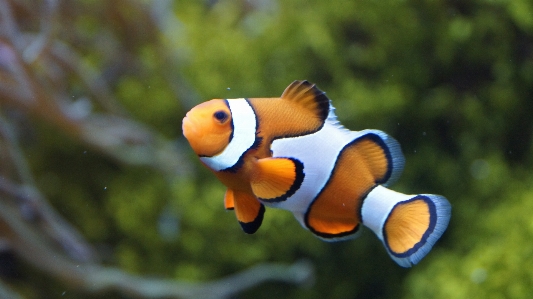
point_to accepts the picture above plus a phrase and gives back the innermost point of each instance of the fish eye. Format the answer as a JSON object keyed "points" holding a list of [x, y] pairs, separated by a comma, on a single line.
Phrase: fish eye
{"points": [[221, 116]]}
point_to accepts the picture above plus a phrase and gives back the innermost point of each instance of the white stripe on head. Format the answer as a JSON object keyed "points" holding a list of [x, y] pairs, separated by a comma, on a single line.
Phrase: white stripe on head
{"points": [[244, 129]]}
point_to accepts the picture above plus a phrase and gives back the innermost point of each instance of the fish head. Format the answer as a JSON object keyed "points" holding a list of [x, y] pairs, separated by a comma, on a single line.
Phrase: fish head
{"points": [[208, 127]]}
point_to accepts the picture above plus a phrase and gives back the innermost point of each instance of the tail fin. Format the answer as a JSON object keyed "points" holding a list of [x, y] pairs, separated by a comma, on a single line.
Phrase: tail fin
{"points": [[408, 225]]}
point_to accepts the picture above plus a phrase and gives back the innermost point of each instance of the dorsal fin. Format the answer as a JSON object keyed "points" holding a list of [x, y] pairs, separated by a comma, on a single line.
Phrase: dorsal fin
{"points": [[308, 96], [382, 155]]}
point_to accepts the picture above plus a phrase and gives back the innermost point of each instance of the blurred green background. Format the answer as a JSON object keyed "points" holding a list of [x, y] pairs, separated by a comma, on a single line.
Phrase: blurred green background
{"points": [[452, 81]]}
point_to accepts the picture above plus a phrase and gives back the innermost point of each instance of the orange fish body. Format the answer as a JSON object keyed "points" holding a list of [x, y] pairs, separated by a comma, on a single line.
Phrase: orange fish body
{"points": [[292, 153]]}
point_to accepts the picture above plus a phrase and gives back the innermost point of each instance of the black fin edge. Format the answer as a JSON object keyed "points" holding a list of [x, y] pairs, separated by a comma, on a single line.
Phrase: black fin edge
{"points": [[320, 97], [300, 175], [252, 227]]}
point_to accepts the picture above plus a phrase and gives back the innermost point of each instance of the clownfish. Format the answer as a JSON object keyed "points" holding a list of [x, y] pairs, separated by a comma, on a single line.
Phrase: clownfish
{"points": [[292, 153]]}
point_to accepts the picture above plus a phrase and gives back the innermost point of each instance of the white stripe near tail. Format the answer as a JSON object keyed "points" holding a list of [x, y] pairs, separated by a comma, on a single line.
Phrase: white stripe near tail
{"points": [[408, 225]]}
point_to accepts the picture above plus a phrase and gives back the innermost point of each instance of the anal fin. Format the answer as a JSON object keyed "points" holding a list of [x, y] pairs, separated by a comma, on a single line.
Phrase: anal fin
{"points": [[276, 179], [248, 209], [229, 201]]}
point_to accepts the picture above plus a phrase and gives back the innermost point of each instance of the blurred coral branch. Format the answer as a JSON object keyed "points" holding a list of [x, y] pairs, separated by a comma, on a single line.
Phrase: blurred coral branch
{"points": [[34, 73], [33, 246], [28, 84]]}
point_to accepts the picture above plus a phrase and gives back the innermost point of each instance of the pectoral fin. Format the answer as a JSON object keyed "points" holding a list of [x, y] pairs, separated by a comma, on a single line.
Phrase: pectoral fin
{"points": [[277, 179], [248, 209]]}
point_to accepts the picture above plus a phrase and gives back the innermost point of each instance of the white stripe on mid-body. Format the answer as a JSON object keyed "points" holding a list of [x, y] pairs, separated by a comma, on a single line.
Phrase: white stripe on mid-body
{"points": [[377, 207], [318, 152], [244, 129]]}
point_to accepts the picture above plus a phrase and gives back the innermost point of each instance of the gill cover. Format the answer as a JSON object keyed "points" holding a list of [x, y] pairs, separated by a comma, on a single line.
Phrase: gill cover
{"points": [[244, 137]]}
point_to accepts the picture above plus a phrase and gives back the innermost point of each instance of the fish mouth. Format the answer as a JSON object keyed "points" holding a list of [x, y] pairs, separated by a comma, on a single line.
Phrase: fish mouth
{"points": [[193, 134], [188, 127], [202, 141]]}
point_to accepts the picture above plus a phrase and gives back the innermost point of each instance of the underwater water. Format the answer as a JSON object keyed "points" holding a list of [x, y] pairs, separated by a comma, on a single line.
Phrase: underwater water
{"points": [[102, 197]]}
